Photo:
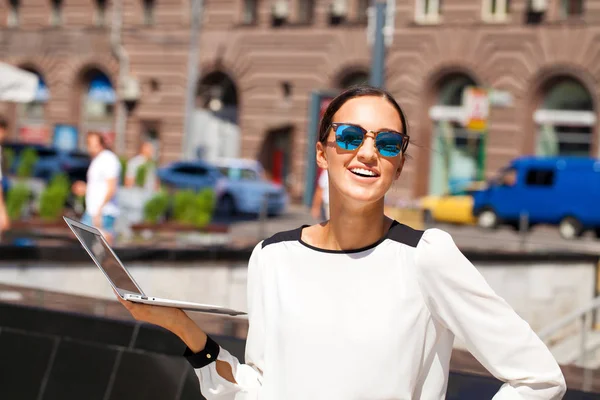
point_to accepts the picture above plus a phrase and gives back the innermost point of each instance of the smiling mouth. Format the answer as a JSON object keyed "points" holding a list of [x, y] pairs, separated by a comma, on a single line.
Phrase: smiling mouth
{"points": [[364, 173]]}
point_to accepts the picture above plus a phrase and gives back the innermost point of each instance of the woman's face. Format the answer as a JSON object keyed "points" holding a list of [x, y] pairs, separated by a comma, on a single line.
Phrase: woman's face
{"points": [[344, 166]]}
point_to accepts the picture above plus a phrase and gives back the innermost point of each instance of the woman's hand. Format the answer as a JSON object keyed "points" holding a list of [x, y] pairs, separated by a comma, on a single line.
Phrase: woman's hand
{"points": [[167, 317], [176, 321], [172, 319]]}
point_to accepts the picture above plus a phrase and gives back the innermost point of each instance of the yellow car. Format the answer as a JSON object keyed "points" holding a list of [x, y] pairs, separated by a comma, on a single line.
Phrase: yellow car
{"points": [[455, 209]]}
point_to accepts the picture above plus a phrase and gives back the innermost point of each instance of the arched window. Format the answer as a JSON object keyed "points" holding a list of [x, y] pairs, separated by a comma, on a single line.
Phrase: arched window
{"points": [[217, 92], [565, 119], [31, 117], [353, 79], [457, 154], [214, 126], [98, 106]]}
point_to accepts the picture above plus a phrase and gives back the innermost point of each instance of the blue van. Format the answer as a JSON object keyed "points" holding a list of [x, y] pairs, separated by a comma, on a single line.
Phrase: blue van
{"points": [[563, 191]]}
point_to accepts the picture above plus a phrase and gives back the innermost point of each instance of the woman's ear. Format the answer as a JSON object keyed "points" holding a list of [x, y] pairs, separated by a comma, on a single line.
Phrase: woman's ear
{"points": [[321, 156], [399, 169]]}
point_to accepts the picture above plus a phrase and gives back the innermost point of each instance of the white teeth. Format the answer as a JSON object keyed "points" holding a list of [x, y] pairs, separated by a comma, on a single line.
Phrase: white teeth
{"points": [[362, 171]]}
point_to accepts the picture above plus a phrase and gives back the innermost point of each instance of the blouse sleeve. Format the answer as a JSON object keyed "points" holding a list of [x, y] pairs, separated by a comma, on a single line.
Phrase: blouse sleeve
{"points": [[248, 376], [459, 298]]}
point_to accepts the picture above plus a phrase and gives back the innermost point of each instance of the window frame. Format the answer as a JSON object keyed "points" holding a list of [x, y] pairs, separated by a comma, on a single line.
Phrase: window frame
{"points": [[13, 16], [148, 12], [306, 11], [250, 12], [100, 9], [501, 13], [56, 13], [565, 5], [428, 11]]}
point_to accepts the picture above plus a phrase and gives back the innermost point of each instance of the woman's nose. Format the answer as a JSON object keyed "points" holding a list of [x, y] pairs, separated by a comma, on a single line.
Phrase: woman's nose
{"points": [[367, 151]]}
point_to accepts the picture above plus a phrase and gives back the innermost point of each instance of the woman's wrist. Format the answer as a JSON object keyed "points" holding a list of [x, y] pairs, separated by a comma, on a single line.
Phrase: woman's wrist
{"points": [[190, 334]]}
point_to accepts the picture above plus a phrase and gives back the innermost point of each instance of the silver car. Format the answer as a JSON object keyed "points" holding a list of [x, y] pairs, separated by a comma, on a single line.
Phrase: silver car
{"points": [[244, 188]]}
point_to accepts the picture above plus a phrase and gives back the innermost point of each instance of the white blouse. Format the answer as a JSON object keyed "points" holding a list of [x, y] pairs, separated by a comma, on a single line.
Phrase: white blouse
{"points": [[376, 323]]}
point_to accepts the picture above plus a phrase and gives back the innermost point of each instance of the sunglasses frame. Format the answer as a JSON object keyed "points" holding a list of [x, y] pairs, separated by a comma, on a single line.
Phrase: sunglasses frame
{"points": [[405, 137]]}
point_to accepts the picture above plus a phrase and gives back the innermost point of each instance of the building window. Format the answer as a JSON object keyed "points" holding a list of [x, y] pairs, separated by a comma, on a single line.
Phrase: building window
{"points": [[571, 8], [56, 13], [354, 79], [306, 10], [362, 11], [428, 11], [13, 13], [566, 120], [98, 106], [250, 12], [100, 14], [31, 120], [495, 10], [148, 12]]}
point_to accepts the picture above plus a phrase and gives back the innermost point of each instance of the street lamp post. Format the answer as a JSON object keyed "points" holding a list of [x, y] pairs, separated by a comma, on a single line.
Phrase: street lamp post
{"points": [[193, 72], [377, 77]]}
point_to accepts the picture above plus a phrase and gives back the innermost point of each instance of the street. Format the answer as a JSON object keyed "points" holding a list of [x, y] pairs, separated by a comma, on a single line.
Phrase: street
{"points": [[542, 238]]}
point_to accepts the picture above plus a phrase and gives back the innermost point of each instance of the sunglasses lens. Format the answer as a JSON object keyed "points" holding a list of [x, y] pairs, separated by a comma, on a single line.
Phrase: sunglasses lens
{"points": [[389, 144], [349, 137]]}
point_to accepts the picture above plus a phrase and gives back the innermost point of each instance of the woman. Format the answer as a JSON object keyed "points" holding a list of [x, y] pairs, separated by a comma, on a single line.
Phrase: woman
{"points": [[360, 306]]}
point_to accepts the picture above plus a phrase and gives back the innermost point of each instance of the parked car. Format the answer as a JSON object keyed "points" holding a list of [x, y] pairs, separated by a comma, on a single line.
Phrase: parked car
{"points": [[563, 191], [51, 161], [195, 175], [455, 209], [245, 188], [239, 184]]}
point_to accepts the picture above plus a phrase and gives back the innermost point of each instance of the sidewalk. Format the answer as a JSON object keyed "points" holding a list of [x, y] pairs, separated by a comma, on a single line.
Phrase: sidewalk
{"points": [[253, 231]]}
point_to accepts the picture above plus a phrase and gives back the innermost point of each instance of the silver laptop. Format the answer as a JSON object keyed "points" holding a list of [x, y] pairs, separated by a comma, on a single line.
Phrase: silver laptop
{"points": [[121, 280]]}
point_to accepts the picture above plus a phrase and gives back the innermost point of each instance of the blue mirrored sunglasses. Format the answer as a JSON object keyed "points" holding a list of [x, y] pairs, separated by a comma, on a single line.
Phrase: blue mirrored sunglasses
{"points": [[387, 142]]}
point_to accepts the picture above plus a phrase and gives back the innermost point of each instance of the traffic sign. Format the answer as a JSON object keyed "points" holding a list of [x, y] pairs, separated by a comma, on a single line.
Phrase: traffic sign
{"points": [[476, 107]]}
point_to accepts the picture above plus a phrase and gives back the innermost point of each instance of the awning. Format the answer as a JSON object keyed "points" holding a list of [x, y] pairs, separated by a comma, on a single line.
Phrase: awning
{"points": [[564, 117], [17, 85], [101, 90]]}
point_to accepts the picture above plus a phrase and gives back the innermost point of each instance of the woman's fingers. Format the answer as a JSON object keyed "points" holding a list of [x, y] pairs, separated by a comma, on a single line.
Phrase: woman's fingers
{"points": [[168, 318]]}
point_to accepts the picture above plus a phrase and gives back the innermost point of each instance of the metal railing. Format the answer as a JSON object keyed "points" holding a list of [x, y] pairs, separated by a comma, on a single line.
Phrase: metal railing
{"points": [[583, 316]]}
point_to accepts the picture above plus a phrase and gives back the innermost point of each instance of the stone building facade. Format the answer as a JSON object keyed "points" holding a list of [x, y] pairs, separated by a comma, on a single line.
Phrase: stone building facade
{"points": [[260, 60]]}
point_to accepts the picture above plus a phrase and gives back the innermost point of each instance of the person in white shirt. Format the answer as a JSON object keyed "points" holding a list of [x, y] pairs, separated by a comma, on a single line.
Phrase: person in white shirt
{"points": [[101, 209], [145, 157], [4, 219], [361, 306], [320, 204]]}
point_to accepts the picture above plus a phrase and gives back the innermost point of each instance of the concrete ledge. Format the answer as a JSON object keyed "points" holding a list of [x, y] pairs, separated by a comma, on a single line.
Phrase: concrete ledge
{"points": [[74, 253]]}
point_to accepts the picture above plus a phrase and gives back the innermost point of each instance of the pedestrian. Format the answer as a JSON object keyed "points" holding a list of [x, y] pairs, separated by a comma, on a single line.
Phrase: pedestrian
{"points": [[320, 204], [144, 159], [100, 191], [4, 219], [363, 307]]}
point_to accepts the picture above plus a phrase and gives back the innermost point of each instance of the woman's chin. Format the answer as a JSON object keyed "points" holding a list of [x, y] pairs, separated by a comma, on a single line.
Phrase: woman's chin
{"points": [[364, 197]]}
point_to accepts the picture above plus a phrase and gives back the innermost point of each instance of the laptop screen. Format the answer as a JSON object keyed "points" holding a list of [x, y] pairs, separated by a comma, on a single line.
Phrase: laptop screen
{"points": [[111, 266]]}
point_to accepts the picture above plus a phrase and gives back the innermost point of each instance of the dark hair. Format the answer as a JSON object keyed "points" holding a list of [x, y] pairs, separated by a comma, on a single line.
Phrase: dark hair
{"points": [[3, 123], [101, 139], [351, 93]]}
